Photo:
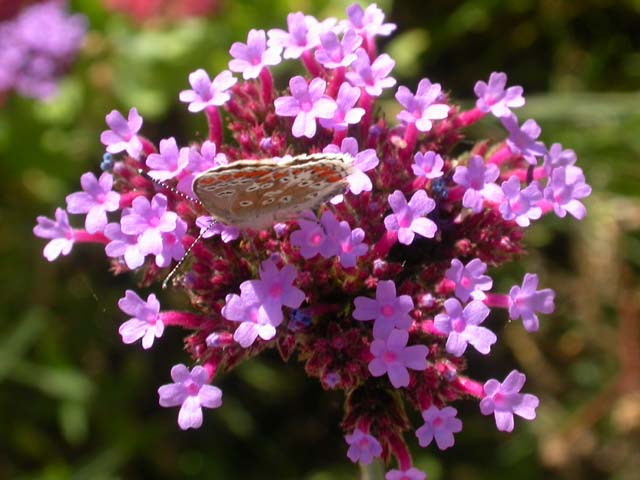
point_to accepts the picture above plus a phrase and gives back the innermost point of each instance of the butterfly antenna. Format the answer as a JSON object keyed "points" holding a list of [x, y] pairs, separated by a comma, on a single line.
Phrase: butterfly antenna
{"points": [[169, 187], [175, 269]]}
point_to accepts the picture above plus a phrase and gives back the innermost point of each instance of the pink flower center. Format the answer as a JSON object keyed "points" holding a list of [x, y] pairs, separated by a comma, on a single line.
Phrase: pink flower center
{"points": [[438, 422], [389, 357], [499, 399], [316, 239], [154, 221], [192, 388], [363, 443], [276, 290], [458, 325], [404, 219], [466, 282], [100, 197], [387, 310]]}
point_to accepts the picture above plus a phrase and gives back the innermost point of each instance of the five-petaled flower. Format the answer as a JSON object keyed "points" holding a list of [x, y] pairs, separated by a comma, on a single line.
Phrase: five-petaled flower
{"points": [[440, 424], [387, 310], [393, 357], [146, 323], [307, 103], [428, 165], [421, 109], [504, 400], [526, 301], [493, 97], [462, 327], [251, 57], [59, 232], [191, 392], [122, 134], [469, 279], [363, 447], [96, 199], [566, 187], [206, 93], [522, 140], [478, 178], [408, 217], [520, 205]]}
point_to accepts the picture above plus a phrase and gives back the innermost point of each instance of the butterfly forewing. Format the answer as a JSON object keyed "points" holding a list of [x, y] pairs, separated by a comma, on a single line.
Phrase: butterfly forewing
{"points": [[258, 193]]}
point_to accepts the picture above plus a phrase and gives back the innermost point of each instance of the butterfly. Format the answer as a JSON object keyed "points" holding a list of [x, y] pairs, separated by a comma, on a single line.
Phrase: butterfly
{"points": [[258, 193]]}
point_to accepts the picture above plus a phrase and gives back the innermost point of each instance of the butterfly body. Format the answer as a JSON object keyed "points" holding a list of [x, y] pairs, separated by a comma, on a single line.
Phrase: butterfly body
{"points": [[257, 193]]}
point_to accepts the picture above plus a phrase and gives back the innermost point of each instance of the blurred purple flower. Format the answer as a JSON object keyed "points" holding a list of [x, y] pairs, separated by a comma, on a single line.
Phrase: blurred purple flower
{"points": [[565, 188], [373, 77], [335, 52], [469, 279], [303, 34], [346, 113], [363, 448], [520, 205], [478, 179], [170, 162], [411, 474], [522, 140], [557, 157], [428, 165], [123, 245], [368, 22]]}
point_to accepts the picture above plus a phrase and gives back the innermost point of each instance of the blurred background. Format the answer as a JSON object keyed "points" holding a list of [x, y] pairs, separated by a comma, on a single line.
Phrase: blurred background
{"points": [[77, 403]]}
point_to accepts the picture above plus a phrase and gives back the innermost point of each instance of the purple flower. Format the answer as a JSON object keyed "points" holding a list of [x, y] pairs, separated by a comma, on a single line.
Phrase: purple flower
{"points": [[259, 306], [522, 140], [439, 424], [526, 301], [350, 244], [303, 34], [503, 400], [60, 233], [407, 218], [252, 57], [373, 77], [393, 357], [210, 227], [368, 22], [191, 392], [363, 448], [346, 113], [206, 93], [37, 47], [313, 238], [146, 323], [335, 52], [122, 135], [494, 98], [420, 108], [358, 181], [307, 103], [478, 179], [172, 248], [411, 474], [520, 205], [566, 186], [428, 165], [469, 279], [123, 245], [387, 310], [463, 328], [199, 162], [254, 321], [170, 162], [149, 220], [557, 157], [96, 199]]}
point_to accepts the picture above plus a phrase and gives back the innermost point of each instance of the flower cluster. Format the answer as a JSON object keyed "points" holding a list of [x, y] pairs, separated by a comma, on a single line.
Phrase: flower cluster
{"points": [[383, 292], [37, 47]]}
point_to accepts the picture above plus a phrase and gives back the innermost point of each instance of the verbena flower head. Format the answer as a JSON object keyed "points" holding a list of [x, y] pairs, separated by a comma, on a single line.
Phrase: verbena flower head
{"points": [[379, 292], [37, 47]]}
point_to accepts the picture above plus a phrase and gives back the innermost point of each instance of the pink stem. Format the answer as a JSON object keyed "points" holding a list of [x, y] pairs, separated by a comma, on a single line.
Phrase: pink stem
{"points": [[147, 147], [82, 236], [182, 319], [365, 103], [401, 452], [522, 174], [310, 63], [410, 138], [383, 246], [497, 300], [501, 156], [215, 125], [338, 136], [336, 81], [470, 387], [469, 117], [266, 81], [126, 199]]}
